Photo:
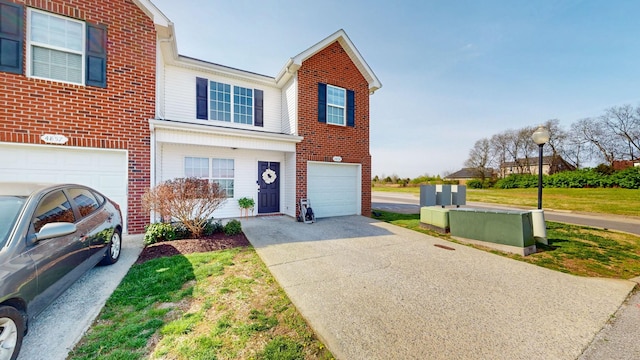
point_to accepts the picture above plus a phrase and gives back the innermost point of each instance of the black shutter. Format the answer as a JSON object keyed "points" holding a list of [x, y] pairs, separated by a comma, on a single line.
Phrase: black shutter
{"points": [[351, 108], [201, 99], [96, 72], [258, 102], [11, 37], [322, 102]]}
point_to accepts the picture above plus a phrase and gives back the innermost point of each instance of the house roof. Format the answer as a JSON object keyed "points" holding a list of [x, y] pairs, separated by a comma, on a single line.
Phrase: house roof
{"points": [[340, 36], [169, 48], [468, 173]]}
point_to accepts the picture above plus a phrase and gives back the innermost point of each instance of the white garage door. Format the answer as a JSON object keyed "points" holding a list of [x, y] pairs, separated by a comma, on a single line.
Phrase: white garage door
{"points": [[334, 189], [103, 170]]}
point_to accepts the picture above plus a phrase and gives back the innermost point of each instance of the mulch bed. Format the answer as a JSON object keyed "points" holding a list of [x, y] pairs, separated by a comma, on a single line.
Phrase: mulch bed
{"points": [[215, 242]]}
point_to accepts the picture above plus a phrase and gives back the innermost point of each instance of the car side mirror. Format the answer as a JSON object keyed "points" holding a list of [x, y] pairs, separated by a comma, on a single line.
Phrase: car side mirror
{"points": [[55, 229]]}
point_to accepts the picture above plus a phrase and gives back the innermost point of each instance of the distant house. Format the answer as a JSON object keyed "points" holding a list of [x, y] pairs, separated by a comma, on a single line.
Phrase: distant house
{"points": [[623, 164], [550, 165], [465, 174]]}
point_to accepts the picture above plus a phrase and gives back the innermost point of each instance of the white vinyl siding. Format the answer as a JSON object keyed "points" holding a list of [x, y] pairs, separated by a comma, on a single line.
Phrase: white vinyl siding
{"points": [[170, 165], [55, 47], [289, 107], [179, 98]]}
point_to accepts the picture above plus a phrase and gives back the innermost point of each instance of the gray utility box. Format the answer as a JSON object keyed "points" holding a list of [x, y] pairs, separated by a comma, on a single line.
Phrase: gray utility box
{"points": [[443, 195]]}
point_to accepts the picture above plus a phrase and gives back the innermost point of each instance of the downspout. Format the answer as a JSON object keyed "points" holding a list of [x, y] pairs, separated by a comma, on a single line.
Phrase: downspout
{"points": [[152, 181]]}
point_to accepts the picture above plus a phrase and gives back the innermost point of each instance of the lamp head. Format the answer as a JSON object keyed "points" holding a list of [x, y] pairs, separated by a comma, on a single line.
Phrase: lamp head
{"points": [[541, 135]]}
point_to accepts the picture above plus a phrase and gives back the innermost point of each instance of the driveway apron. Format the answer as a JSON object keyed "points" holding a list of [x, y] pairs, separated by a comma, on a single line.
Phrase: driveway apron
{"points": [[372, 290]]}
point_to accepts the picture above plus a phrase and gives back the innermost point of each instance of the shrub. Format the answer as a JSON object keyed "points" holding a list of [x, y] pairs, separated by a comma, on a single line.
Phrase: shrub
{"points": [[159, 232], [475, 184], [181, 231], [233, 227], [212, 227], [189, 200]]}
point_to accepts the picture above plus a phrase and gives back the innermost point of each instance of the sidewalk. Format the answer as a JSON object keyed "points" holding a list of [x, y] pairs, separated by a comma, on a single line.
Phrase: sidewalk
{"points": [[372, 290]]}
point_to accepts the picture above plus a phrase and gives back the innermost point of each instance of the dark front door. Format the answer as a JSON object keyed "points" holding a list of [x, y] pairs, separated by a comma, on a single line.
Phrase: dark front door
{"points": [[269, 189]]}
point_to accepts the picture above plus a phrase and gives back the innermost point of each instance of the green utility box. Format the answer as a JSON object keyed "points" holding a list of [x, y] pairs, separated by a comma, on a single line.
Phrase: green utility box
{"points": [[435, 218], [507, 227]]}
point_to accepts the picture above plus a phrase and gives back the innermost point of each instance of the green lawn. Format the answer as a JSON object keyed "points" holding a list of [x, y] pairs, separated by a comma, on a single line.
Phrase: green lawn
{"points": [[203, 306], [605, 201]]}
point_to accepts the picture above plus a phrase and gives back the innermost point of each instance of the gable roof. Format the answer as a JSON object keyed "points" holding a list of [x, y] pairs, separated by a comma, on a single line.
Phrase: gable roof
{"points": [[340, 36], [468, 173]]}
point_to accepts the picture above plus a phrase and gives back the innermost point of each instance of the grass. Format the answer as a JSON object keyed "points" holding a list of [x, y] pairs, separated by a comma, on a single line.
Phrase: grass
{"points": [[624, 202], [217, 305], [573, 249]]}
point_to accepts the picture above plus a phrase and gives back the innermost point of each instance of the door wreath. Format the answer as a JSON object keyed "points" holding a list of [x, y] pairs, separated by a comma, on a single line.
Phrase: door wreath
{"points": [[269, 176]]}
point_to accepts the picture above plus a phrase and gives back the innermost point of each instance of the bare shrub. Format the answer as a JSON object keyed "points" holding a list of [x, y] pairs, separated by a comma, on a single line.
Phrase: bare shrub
{"points": [[191, 201]]}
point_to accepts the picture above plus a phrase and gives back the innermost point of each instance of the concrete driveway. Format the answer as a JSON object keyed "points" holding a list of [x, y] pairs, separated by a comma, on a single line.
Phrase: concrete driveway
{"points": [[63, 323], [372, 290]]}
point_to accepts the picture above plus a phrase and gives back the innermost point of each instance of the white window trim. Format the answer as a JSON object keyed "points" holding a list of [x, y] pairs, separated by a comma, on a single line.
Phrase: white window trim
{"points": [[233, 113], [30, 44], [210, 168], [344, 107]]}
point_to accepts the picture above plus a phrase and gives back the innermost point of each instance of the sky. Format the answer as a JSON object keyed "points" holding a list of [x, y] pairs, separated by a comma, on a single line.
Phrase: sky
{"points": [[452, 71]]}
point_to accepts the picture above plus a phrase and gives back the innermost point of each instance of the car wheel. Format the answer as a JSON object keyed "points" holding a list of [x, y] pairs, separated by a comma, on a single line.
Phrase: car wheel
{"points": [[113, 252], [11, 332]]}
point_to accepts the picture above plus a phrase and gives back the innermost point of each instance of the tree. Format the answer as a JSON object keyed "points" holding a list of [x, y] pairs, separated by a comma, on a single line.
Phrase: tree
{"points": [[191, 201], [605, 143], [624, 122], [480, 158]]}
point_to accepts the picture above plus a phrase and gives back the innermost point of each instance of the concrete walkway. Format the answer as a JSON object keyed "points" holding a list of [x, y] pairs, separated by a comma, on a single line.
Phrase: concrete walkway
{"points": [[372, 290]]}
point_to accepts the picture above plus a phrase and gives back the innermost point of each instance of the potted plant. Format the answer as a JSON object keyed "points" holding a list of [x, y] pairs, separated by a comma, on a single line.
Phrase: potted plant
{"points": [[246, 204]]}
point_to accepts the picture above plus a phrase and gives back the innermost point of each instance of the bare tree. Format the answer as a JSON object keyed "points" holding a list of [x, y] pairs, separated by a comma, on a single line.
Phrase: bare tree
{"points": [[603, 140], [480, 158], [192, 201], [624, 122]]}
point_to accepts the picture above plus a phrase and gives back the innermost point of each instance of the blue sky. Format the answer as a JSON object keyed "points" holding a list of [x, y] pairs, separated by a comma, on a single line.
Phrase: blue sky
{"points": [[452, 71]]}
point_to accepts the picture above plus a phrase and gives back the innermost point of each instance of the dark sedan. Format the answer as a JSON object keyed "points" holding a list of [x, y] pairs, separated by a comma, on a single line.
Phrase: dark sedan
{"points": [[50, 235]]}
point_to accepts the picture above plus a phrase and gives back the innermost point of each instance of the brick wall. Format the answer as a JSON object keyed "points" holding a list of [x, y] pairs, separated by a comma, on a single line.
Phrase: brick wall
{"points": [[115, 117], [323, 141]]}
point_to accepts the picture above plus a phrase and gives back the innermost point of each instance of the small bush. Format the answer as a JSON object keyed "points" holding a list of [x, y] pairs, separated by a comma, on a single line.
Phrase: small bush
{"points": [[233, 227], [212, 227], [159, 232], [474, 184], [181, 231]]}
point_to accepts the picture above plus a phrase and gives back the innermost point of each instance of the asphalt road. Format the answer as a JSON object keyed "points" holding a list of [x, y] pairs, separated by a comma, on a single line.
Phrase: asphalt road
{"points": [[410, 203]]}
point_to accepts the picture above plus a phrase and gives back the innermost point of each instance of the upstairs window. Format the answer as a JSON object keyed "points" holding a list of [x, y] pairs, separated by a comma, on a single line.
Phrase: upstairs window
{"points": [[336, 100], [336, 105], [242, 105], [214, 101], [220, 101], [56, 47]]}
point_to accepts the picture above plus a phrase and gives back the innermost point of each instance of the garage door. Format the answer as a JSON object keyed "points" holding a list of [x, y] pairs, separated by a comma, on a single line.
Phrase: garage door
{"points": [[103, 170], [334, 189]]}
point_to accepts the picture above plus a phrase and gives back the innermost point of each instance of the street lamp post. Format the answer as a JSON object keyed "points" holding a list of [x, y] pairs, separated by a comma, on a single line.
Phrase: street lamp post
{"points": [[540, 137]]}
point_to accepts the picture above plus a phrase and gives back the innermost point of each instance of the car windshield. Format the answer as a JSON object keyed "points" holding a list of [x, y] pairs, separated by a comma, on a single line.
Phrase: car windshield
{"points": [[10, 207]]}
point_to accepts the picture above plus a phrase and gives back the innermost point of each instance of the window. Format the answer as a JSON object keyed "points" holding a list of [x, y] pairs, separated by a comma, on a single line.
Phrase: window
{"points": [[243, 105], [56, 46], [214, 102], [335, 105], [53, 208], [222, 171], [196, 167], [220, 101], [85, 201]]}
